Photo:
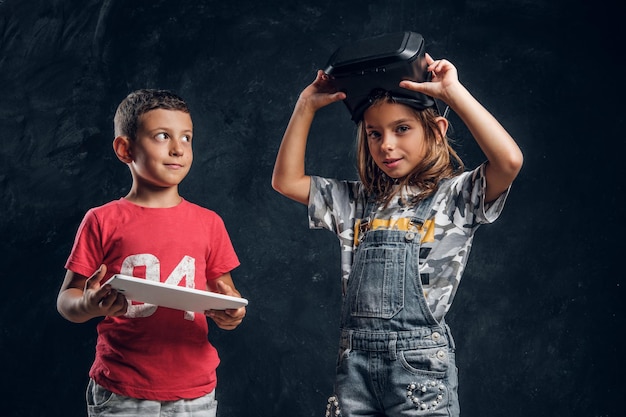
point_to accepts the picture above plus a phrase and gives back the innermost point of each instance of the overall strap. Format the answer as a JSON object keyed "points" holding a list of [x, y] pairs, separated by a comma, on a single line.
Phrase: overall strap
{"points": [[422, 211], [364, 222]]}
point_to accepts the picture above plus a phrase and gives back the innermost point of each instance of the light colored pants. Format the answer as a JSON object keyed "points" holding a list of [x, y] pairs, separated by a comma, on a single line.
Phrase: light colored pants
{"points": [[104, 403]]}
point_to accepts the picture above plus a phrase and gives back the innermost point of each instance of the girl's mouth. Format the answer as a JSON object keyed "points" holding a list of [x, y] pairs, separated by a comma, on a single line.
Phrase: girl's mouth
{"points": [[392, 163]]}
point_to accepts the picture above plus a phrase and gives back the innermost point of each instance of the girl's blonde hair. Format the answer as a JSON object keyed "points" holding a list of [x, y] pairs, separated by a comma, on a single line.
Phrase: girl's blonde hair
{"points": [[440, 161]]}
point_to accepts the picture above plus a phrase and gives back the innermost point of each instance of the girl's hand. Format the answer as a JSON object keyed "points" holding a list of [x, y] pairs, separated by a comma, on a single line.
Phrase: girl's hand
{"points": [[320, 93], [444, 80]]}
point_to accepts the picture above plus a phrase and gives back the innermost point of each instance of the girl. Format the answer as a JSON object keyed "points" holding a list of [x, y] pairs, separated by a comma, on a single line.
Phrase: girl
{"points": [[406, 229]]}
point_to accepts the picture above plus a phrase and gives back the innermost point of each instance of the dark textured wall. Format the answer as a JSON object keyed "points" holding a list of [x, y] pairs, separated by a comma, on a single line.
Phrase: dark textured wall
{"points": [[539, 315]]}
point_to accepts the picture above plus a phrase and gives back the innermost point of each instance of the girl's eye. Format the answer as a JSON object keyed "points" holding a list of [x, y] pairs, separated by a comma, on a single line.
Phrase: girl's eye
{"points": [[402, 129], [372, 135], [161, 136], [186, 138]]}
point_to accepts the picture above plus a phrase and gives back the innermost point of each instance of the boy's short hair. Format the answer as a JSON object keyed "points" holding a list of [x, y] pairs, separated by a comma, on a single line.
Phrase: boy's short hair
{"points": [[142, 101]]}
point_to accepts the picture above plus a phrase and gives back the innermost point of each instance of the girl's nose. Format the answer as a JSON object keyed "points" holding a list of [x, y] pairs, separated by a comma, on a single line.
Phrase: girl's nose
{"points": [[388, 142]]}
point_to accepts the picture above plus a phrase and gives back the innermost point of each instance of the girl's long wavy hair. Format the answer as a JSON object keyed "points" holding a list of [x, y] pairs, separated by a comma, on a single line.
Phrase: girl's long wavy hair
{"points": [[440, 161]]}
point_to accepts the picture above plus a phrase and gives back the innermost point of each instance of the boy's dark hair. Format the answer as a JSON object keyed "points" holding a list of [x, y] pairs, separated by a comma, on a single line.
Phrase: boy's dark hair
{"points": [[142, 101]]}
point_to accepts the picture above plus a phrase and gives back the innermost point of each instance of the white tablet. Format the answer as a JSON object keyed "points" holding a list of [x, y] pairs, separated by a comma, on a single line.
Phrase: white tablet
{"points": [[173, 296]]}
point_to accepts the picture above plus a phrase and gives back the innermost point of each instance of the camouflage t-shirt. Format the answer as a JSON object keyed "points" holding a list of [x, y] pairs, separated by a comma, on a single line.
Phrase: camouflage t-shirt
{"points": [[458, 209]]}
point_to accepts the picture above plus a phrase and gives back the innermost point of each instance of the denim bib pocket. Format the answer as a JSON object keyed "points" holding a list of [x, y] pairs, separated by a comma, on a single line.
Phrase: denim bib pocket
{"points": [[376, 283]]}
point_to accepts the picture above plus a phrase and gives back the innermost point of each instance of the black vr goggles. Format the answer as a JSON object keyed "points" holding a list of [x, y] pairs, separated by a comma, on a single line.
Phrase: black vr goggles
{"points": [[366, 67]]}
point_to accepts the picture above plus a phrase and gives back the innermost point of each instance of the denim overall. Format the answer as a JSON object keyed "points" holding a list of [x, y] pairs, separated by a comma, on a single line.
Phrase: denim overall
{"points": [[395, 359]]}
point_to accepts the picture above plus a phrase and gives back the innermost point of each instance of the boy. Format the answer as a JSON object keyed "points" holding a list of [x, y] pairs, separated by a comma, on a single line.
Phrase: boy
{"points": [[151, 360]]}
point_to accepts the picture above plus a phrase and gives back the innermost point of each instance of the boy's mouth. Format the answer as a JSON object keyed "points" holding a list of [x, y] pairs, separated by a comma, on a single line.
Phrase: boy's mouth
{"points": [[174, 166]]}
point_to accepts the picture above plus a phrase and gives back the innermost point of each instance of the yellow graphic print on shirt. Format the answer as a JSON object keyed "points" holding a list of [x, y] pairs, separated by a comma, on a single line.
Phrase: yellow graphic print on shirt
{"points": [[427, 230]]}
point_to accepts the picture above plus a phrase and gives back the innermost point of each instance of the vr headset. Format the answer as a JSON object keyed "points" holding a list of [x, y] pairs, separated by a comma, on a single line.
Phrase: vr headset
{"points": [[366, 67]]}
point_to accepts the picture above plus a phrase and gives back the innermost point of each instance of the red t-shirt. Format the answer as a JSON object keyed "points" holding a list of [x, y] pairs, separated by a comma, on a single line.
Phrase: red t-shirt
{"points": [[154, 353]]}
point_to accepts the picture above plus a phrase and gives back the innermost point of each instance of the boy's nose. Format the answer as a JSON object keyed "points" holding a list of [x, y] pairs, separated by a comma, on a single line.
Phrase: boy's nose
{"points": [[176, 148]]}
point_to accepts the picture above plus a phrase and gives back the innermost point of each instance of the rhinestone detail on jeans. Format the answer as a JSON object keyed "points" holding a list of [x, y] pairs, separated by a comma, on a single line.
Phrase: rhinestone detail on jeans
{"points": [[415, 390], [333, 404]]}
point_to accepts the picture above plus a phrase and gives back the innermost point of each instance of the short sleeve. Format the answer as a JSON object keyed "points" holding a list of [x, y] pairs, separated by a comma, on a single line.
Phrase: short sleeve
{"points": [[222, 257], [87, 253]]}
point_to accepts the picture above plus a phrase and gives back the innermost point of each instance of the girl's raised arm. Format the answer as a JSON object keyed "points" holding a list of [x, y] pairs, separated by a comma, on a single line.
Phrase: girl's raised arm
{"points": [[504, 156], [289, 176]]}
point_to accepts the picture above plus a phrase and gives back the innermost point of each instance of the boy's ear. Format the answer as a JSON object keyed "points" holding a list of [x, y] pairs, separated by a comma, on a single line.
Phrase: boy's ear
{"points": [[122, 148]]}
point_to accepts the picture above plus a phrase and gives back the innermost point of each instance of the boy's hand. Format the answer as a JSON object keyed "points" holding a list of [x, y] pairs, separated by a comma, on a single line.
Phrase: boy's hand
{"points": [[102, 300], [227, 319]]}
